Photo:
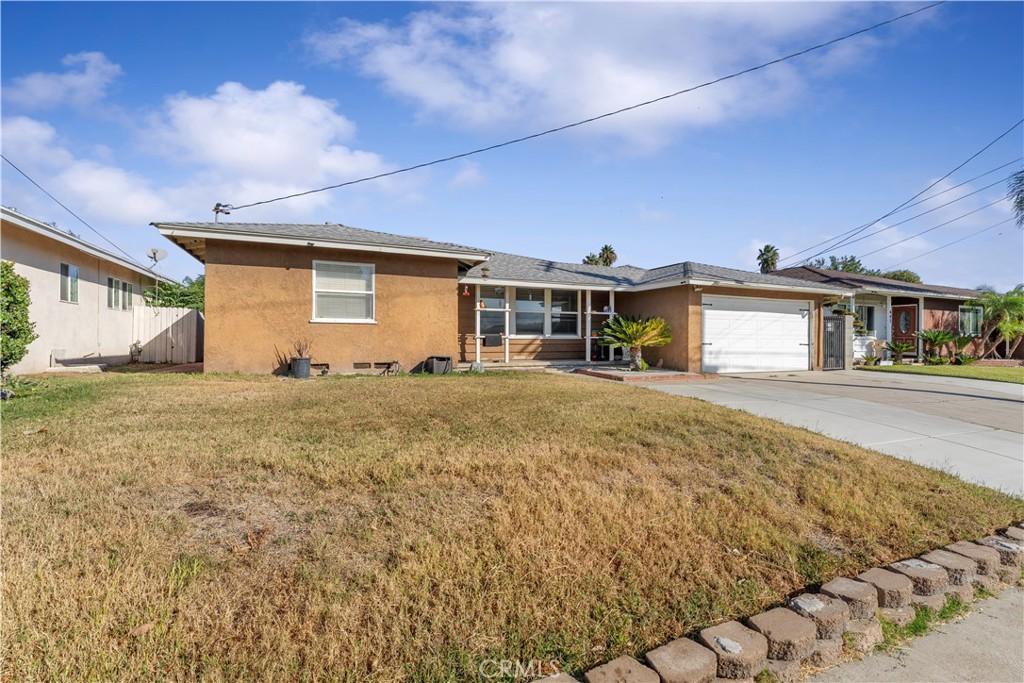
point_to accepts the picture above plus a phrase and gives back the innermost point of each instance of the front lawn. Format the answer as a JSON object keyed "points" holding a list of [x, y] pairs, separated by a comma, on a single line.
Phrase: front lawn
{"points": [[995, 374], [413, 528]]}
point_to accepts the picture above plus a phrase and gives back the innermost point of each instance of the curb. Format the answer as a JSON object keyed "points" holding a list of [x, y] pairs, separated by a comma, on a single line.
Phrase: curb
{"points": [[814, 629]]}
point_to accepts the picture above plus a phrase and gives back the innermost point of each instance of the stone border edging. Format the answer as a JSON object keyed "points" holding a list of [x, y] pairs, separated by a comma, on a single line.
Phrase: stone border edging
{"points": [[815, 628]]}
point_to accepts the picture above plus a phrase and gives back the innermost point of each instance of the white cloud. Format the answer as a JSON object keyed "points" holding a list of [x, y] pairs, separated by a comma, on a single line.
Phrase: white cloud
{"points": [[98, 190], [253, 144], [538, 65], [468, 175], [84, 82]]}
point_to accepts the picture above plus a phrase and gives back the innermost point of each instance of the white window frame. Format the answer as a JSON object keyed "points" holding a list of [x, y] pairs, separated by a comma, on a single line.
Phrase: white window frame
{"points": [[511, 299], [72, 279], [870, 332], [114, 293], [372, 320], [960, 317]]}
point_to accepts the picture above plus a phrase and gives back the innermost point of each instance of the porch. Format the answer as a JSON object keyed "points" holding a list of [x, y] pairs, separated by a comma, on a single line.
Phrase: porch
{"points": [[512, 326], [880, 319]]}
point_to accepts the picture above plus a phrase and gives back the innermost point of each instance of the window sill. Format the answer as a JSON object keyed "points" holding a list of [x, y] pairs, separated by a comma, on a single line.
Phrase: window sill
{"points": [[544, 336], [343, 321], [65, 301]]}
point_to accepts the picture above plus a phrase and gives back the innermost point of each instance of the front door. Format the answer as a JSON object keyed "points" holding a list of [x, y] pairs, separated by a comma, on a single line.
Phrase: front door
{"points": [[904, 323]]}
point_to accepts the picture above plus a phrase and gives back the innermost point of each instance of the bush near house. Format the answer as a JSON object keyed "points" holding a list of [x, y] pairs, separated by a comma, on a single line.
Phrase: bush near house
{"points": [[220, 527], [16, 330]]}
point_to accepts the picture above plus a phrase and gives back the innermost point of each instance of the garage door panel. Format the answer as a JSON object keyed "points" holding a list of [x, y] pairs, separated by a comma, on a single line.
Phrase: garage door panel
{"points": [[749, 335]]}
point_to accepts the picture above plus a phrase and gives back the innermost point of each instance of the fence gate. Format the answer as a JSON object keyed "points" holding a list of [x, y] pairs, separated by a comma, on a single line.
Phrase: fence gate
{"points": [[835, 342], [169, 335]]}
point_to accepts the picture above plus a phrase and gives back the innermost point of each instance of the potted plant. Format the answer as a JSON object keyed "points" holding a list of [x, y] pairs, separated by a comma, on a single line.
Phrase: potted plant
{"points": [[299, 364], [633, 334]]}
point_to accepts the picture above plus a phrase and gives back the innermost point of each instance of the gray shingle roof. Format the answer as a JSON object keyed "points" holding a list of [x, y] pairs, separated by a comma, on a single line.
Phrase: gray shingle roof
{"points": [[855, 281], [323, 231], [512, 267]]}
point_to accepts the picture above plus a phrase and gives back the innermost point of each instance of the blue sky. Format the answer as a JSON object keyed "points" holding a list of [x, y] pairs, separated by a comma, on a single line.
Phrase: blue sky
{"points": [[135, 112]]}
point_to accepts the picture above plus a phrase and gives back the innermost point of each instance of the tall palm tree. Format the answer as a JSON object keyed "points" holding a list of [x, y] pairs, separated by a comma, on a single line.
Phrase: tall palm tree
{"points": [[1016, 195], [768, 258], [607, 255]]}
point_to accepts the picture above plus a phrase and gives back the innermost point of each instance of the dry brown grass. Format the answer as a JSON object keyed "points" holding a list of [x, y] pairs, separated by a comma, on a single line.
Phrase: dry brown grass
{"points": [[409, 528]]}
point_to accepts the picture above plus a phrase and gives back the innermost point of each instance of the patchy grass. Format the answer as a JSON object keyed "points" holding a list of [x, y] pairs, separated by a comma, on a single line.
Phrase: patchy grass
{"points": [[993, 374], [411, 528], [925, 619]]}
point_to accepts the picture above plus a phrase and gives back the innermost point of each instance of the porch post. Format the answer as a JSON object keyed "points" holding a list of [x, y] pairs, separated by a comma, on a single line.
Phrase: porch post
{"points": [[920, 327], [508, 341], [587, 330], [476, 314], [611, 314]]}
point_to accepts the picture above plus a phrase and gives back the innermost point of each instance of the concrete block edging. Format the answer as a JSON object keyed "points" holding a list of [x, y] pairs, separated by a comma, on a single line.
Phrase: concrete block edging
{"points": [[812, 630]]}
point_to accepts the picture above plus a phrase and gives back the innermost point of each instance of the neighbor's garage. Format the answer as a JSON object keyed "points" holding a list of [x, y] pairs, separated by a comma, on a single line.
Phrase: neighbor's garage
{"points": [[743, 334]]}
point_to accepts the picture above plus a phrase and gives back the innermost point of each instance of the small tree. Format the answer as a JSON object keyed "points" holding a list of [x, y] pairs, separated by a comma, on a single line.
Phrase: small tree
{"points": [[935, 340], [899, 349], [768, 258], [627, 332], [191, 293], [16, 330]]}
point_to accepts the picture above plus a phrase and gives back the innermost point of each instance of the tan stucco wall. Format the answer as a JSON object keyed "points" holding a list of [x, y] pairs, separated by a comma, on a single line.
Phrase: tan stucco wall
{"points": [[259, 300], [681, 308], [87, 329]]}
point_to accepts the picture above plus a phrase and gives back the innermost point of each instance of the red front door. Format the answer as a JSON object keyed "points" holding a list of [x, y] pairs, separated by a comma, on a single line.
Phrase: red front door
{"points": [[904, 323]]}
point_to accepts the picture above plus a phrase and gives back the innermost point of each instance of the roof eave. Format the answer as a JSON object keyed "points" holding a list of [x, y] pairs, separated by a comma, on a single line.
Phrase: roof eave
{"points": [[40, 228], [171, 230]]}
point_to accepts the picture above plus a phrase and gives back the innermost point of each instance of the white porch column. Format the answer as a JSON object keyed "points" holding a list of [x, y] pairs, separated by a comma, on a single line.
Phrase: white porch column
{"points": [[507, 341], [587, 329], [611, 314], [476, 314], [920, 327]]}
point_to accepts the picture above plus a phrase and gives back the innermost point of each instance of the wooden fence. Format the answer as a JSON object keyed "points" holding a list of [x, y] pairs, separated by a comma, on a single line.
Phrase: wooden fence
{"points": [[168, 335]]}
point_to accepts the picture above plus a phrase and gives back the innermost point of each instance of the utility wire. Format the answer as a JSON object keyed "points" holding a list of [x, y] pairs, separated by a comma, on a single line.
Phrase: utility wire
{"points": [[65, 207], [592, 119], [949, 244], [934, 227], [845, 240], [909, 206], [932, 210]]}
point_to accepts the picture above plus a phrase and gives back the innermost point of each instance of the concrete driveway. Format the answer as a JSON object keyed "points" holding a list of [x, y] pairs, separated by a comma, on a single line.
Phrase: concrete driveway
{"points": [[971, 428]]}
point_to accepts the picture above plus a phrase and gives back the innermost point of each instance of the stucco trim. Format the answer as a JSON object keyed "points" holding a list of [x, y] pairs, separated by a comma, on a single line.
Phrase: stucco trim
{"points": [[171, 231]]}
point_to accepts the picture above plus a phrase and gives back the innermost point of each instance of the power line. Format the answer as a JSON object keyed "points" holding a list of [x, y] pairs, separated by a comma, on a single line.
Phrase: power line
{"points": [[934, 227], [949, 244], [845, 240], [65, 207], [909, 206], [592, 119], [932, 210]]}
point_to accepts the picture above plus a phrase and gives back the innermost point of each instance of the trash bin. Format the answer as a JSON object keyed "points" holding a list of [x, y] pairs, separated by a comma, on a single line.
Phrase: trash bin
{"points": [[439, 365], [300, 368]]}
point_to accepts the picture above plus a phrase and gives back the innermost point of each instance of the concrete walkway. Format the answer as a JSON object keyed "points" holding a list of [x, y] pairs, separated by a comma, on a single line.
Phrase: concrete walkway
{"points": [[986, 645], [971, 428]]}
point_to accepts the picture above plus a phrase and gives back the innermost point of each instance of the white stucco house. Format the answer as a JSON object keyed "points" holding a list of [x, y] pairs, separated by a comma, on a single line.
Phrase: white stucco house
{"points": [[83, 297]]}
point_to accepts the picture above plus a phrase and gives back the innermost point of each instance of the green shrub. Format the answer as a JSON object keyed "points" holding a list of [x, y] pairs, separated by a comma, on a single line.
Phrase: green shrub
{"points": [[871, 360], [16, 330]]}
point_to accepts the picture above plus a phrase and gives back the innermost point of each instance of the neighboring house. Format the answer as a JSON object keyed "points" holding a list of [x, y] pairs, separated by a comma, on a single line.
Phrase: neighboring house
{"points": [[82, 296], [893, 310], [365, 298]]}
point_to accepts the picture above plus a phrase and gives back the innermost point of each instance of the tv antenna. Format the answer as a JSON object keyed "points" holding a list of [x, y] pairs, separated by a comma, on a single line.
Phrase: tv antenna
{"points": [[156, 255]]}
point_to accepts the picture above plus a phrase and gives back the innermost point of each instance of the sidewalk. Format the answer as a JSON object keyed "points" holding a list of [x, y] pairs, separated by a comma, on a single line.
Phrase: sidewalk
{"points": [[986, 645]]}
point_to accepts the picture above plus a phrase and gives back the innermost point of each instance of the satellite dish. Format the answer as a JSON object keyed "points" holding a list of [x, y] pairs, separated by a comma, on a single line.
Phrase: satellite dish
{"points": [[156, 255]]}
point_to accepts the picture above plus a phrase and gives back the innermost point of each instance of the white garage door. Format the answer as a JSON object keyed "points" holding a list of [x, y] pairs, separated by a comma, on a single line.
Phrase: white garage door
{"points": [[742, 334]]}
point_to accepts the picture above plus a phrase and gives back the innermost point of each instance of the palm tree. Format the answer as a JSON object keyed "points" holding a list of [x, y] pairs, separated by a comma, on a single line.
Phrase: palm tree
{"points": [[627, 332], [768, 258], [605, 257], [898, 349], [1016, 196], [935, 340], [1002, 311]]}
